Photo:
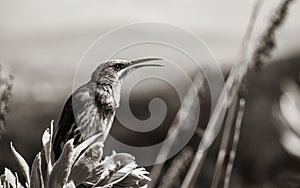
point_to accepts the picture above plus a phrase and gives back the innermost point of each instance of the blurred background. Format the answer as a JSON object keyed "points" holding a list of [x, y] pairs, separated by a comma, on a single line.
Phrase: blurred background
{"points": [[41, 44]]}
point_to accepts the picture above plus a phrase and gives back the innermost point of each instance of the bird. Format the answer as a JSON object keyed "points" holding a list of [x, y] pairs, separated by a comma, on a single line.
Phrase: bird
{"points": [[91, 108]]}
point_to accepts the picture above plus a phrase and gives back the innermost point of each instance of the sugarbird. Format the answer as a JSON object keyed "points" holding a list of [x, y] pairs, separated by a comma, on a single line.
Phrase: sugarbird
{"points": [[91, 108]]}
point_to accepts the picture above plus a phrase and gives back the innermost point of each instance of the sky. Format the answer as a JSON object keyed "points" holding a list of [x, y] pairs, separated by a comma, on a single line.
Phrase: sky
{"points": [[219, 23], [47, 39]]}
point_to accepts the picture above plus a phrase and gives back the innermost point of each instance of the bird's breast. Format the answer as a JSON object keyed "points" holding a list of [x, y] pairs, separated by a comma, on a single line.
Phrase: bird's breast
{"points": [[96, 111], [92, 121]]}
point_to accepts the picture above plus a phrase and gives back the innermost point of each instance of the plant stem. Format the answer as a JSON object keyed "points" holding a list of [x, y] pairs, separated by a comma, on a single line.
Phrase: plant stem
{"points": [[186, 108], [230, 118], [229, 92], [236, 138]]}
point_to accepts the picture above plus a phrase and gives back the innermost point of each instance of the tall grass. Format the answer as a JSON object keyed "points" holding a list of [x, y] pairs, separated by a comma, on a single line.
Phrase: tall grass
{"points": [[188, 110], [231, 114], [233, 85], [172, 177], [236, 137], [268, 40]]}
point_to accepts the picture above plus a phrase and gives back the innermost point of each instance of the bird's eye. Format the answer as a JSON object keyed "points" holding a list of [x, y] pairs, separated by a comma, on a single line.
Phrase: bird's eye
{"points": [[119, 66]]}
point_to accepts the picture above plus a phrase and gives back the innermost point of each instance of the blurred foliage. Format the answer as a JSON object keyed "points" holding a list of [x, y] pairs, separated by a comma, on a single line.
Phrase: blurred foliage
{"points": [[287, 119], [6, 83]]}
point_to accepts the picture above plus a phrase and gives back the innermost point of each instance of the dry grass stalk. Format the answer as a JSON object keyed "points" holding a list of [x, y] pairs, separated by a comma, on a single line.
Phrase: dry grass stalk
{"points": [[230, 92], [187, 109], [173, 176], [268, 40], [230, 118], [234, 83], [235, 142]]}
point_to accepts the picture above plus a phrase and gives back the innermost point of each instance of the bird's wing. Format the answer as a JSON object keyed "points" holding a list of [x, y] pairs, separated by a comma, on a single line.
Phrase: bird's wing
{"points": [[87, 112], [67, 126], [64, 127]]}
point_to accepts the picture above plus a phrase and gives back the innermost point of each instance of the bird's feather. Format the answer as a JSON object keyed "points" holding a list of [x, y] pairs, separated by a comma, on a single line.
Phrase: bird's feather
{"points": [[89, 110]]}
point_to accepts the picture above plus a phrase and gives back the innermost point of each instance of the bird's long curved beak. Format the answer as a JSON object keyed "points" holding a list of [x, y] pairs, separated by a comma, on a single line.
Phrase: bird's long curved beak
{"points": [[137, 63]]}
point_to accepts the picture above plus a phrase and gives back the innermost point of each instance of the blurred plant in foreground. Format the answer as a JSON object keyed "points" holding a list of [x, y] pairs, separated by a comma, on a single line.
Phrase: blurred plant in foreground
{"points": [[78, 166], [287, 119], [6, 83]]}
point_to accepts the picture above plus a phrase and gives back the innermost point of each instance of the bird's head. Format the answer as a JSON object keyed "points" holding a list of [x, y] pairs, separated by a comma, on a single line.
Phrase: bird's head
{"points": [[115, 70]]}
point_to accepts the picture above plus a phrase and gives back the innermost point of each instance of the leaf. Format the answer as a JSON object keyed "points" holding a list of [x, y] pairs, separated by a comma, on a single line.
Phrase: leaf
{"points": [[17, 180], [86, 163], [62, 167], [10, 177], [121, 174], [45, 142], [137, 178], [128, 176], [84, 145], [47, 146], [122, 158], [18, 184], [2, 180], [105, 175], [71, 184], [141, 174], [36, 177], [107, 171], [22, 164]]}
